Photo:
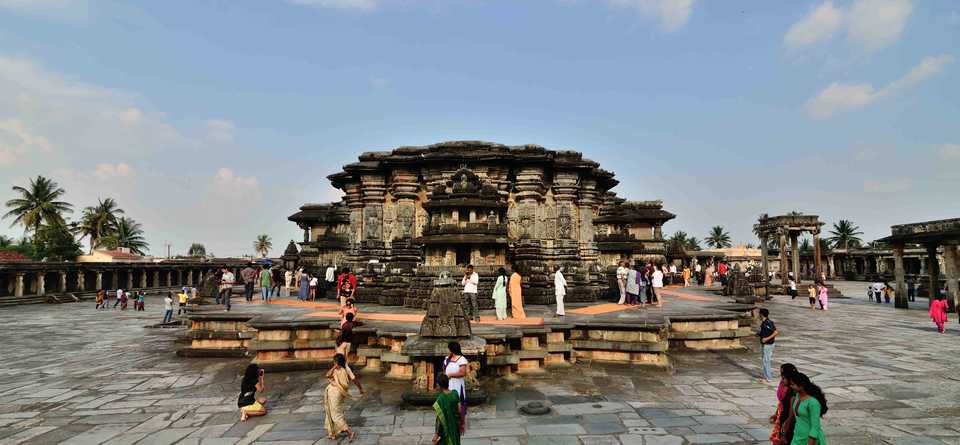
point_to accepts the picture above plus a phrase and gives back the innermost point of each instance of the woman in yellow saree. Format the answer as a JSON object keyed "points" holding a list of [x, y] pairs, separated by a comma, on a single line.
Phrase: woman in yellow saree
{"points": [[447, 408], [336, 393]]}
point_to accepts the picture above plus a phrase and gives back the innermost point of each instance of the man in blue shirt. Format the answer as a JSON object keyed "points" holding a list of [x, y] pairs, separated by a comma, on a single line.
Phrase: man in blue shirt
{"points": [[767, 333]]}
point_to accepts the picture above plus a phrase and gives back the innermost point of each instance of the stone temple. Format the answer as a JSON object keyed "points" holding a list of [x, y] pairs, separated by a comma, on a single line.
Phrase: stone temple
{"points": [[411, 213]]}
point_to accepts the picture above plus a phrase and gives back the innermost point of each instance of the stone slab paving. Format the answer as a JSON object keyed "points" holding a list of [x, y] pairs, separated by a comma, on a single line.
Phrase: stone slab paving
{"points": [[75, 375]]}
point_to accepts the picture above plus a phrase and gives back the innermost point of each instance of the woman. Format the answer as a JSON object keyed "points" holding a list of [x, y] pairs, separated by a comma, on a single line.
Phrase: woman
{"points": [[336, 393], [782, 420], [250, 405], [455, 368], [824, 296], [345, 293], [807, 407], [100, 298], [888, 292], [500, 294], [447, 408], [938, 312], [516, 296], [708, 275], [686, 276], [313, 288], [287, 281], [304, 286], [348, 308]]}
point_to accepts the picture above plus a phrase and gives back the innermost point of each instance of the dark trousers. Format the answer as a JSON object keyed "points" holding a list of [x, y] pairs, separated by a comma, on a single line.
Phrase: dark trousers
{"points": [[470, 301], [248, 291], [224, 297], [912, 295]]}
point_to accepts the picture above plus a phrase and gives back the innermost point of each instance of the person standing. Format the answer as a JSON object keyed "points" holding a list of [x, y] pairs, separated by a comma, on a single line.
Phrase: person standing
{"points": [[686, 276], [345, 292], [812, 296], [140, 305], [911, 290], [559, 288], [455, 367], [314, 282], [304, 286], [792, 287], [516, 296], [938, 312], [266, 283], [622, 277], [708, 275], [249, 276], [287, 282], [470, 281], [277, 278], [350, 277], [345, 339], [338, 391], [698, 272], [447, 410], [226, 287], [877, 290], [632, 286], [168, 307], [182, 302], [100, 298], [782, 420], [768, 334], [329, 281], [500, 294], [808, 406], [888, 292], [824, 295], [656, 282]]}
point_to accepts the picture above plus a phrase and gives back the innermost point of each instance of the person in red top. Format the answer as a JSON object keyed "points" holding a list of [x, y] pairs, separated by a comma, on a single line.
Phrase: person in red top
{"points": [[349, 276]]}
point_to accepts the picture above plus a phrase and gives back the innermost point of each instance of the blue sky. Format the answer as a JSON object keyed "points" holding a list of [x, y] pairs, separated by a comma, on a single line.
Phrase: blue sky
{"points": [[213, 121]]}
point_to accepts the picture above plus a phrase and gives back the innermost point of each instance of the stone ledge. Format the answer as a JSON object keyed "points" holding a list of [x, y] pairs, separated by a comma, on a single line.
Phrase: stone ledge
{"points": [[212, 352], [619, 346], [285, 345]]}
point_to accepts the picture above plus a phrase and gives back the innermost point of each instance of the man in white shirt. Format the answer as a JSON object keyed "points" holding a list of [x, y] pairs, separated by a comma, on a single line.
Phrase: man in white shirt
{"points": [[470, 281], [657, 281], [560, 289], [622, 274], [329, 279], [226, 287], [673, 268]]}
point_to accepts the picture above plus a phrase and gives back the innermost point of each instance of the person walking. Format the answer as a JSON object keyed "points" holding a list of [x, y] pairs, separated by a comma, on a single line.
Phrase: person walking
{"points": [[911, 290], [824, 296], [330, 281], [455, 367], [348, 308], [168, 307], [812, 296], [782, 420], [888, 292], [304, 286], [516, 296], [447, 409], [226, 287], [768, 334], [792, 285], [500, 294], [347, 276], [622, 277], [345, 338], [336, 393], [276, 275], [247, 401], [656, 282], [101, 294], [345, 292], [938, 312], [287, 282], [559, 289], [119, 294], [182, 301], [140, 305], [249, 276], [314, 282], [808, 406], [266, 283], [470, 281], [877, 291]]}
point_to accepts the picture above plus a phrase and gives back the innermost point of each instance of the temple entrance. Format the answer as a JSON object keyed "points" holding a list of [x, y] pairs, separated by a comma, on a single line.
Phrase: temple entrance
{"points": [[463, 255]]}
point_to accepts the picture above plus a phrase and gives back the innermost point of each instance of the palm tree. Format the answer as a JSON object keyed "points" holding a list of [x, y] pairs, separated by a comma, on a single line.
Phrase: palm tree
{"points": [[750, 246], [197, 249], [845, 234], [6, 242], [128, 233], [263, 244], [692, 244], [805, 245], [98, 221], [678, 240], [37, 205], [718, 238]]}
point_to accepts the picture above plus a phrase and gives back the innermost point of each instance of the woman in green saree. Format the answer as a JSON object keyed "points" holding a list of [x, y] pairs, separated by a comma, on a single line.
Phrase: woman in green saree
{"points": [[808, 405], [447, 408]]}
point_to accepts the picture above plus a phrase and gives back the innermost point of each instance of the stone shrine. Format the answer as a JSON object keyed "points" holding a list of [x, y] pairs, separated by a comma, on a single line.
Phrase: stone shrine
{"points": [[409, 214]]}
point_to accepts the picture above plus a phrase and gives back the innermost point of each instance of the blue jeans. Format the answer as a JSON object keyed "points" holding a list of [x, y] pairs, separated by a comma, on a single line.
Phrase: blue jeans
{"points": [[168, 316], [767, 358], [265, 293]]}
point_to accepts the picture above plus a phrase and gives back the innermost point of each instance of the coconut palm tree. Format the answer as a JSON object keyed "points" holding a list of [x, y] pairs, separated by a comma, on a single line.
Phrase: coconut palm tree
{"points": [[263, 244], [128, 233], [692, 244], [678, 240], [98, 221], [197, 249], [806, 245], [845, 234], [38, 204], [718, 238]]}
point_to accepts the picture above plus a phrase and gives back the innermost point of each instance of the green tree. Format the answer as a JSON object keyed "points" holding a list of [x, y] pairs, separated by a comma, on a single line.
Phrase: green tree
{"points": [[845, 234], [263, 244], [38, 204], [718, 238], [6, 242], [197, 250], [678, 240], [55, 242], [98, 221], [806, 245], [692, 244], [129, 234]]}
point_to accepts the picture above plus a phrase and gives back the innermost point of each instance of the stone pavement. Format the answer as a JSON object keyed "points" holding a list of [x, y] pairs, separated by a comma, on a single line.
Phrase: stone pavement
{"points": [[75, 375]]}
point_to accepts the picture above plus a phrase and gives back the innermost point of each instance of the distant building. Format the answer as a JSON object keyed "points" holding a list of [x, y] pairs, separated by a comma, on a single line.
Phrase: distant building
{"points": [[119, 255]]}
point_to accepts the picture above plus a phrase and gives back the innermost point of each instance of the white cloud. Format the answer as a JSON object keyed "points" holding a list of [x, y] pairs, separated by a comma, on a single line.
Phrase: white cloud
{"points": [[107, 171], [839, 97], [219, 130], [228, 183], [887, 186], [877, 24], [948, 151], [16, 141], [820, 24], [670, 15], [356, 5]]}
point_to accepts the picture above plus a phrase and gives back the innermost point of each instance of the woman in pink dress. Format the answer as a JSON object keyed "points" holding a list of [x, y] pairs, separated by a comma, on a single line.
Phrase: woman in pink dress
{"points": [[938, 312], [824, 294]]}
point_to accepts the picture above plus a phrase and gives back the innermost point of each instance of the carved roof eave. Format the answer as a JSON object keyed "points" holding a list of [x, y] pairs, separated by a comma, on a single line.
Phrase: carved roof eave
{"points": [[446, 201], [333, 213]]}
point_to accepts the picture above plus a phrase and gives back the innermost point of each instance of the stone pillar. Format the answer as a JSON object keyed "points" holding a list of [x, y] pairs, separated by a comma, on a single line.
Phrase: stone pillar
{"points": [[795, 246], [156, 278], [950, 257], [99, 281], [355, 204], [41, 285], [167, 277], [783, 257], [190, 278], [831, 270], [372, 191], [529, 193], [143, 279], [114, 279], [200, 277], [179, 277], [404, 188], [63, 281], [18, 285], [81, 281], [565, 193], [130, 279], [764, 261], [933, 269], [817, 263], [901, 296], [588, 203]]}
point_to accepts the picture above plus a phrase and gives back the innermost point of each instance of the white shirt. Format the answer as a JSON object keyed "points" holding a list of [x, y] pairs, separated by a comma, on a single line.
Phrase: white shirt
{"points": [[167, 303], [657, 278], [313, 281], [228, 278], [673, 268], [119, 293], [288, 276], [697, 268], [559, 284], [622, 273], [793, 285], [878, 287], [470, 283], [330, 274], [456, 383]]}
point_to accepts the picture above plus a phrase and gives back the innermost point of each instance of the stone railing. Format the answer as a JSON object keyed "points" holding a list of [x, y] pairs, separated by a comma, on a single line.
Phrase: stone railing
{"points": [[468, 229]]}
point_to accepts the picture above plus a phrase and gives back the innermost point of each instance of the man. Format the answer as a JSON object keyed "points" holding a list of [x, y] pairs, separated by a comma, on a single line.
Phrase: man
{"points": [[351, 278], [249, 276], [656, 282], [277, 274], [470, 281], [698, 273], [722, 272], [266, 283], [622, 273], [226, 287], [767, 333], [329, 278], [559, 289], [911, 290]]}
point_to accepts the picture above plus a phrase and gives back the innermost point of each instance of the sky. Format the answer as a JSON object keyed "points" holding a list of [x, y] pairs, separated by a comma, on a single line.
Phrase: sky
{"points": [[212, 121]]}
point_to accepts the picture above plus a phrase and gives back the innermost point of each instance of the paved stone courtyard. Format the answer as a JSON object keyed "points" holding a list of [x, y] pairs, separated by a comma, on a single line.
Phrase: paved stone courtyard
{"points": [[74, 375]]}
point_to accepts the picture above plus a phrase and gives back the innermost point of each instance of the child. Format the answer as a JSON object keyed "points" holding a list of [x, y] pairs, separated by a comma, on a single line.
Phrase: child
{"points": [[168, 308], [123, 300], [182, 302], [793, 288], [119, 297], [823, 296], [313, 288], [100, 294], [347, 308], [938, 312], [812, 294], [345, 292], [141, 296]]}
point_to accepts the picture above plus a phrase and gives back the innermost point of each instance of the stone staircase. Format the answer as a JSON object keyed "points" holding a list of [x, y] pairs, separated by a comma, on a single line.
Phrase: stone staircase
{"points": [[17, 301]]}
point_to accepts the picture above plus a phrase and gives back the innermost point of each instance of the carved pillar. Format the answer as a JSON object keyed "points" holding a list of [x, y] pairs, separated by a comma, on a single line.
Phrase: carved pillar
{"points": [[99, 281], [933, 268], [354, 202], [179, 277], [404, 188], [114, 279], [190, 278], [831, 270], [200, 278], [18, 285], [530, 190], [764, 261], [81, 281], [167, 277], [565, 193], [588, 204], [795, 246], [130, 279], [143, 279], [952, 270], [900, 299], [372, 192], [156, 278], [783, 256], [817, 262], [63, 281], [41, 285]]}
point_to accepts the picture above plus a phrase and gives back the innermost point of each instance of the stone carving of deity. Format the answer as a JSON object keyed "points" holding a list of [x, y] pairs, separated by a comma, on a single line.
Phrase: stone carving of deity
{"points": [[564, 224]]}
